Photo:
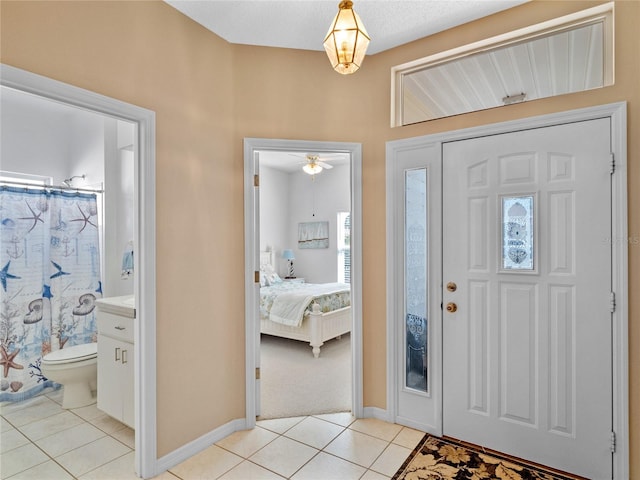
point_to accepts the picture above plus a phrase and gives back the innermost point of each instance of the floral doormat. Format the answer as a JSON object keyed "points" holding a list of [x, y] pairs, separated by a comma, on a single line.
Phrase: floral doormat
{"points": [[446, 459]]}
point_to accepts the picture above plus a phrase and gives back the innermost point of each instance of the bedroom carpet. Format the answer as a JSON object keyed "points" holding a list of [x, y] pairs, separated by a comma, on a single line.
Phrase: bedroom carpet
{"points": [[293, 383]]}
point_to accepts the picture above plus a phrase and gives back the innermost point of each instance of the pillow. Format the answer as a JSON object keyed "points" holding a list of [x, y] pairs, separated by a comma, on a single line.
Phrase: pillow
{"points": [[273, 279], [268, 276]]}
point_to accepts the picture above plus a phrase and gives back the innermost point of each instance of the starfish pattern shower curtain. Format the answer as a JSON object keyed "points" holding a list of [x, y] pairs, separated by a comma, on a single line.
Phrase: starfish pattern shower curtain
{"points": [[50, 275]]}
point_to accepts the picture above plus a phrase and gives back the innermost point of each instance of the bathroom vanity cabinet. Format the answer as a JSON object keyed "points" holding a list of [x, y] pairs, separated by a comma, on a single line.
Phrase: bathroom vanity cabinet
{"points": [[115, 360]]}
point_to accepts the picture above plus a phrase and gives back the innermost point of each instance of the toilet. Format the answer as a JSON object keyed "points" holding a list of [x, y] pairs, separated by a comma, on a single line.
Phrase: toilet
{"points": [[76, 368]]}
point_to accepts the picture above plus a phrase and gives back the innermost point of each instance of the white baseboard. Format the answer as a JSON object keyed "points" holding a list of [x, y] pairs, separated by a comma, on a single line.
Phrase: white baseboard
{"points": [[199, 444], [379, 413]]}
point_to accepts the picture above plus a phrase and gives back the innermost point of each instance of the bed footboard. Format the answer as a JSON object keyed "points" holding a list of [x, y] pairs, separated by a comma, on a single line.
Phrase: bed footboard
{"points": [[316, 328]]}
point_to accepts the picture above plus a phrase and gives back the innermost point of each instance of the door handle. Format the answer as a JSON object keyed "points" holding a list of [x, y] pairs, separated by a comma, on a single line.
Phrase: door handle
{"points": [[117, 350], [452, 307]]}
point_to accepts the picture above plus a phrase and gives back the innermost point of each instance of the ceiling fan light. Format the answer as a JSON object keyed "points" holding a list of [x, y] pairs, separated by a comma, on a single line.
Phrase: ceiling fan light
{"points": [[347, 40], [312, 168]]}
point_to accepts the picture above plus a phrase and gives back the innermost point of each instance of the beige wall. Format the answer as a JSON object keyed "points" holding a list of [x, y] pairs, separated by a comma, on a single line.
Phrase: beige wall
{"points": [[209, 95], [148, 54]]}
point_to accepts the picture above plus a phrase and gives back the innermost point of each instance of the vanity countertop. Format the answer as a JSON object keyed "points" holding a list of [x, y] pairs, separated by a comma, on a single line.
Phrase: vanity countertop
{"points": [[124, 305]]}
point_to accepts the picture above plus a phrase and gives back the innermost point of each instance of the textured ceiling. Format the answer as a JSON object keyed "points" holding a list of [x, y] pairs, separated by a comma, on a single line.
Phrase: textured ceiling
{"points": [[303, 24]]}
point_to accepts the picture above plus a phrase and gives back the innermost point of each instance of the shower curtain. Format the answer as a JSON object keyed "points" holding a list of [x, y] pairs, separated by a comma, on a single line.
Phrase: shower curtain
{"points": [[50, 275]]}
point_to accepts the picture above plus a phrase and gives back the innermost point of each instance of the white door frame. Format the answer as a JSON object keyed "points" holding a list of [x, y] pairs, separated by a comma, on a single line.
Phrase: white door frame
{"points": [[146, 463], [617, 113], [252, 259]]}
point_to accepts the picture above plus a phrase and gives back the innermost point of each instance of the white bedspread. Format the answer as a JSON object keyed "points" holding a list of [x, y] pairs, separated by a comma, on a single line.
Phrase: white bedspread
{"points": [[288, 307]]}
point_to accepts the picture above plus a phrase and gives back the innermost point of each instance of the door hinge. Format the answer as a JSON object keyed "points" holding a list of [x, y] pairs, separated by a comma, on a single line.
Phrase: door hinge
{"points": [[256, 180], [257, 373], [612, 301], [613, 163], [256, 277], [613, 442]]}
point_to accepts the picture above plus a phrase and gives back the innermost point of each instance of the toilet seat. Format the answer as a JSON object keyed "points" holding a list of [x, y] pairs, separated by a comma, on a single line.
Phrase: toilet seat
{"points": [[77, 353]]}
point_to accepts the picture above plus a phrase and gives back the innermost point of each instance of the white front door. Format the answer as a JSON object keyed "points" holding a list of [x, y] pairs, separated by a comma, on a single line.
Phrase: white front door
{"points": [[527, 359]]}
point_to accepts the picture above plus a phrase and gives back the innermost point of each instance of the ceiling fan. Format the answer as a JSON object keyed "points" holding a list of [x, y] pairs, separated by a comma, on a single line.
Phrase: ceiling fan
{"points": [[314, 164]]}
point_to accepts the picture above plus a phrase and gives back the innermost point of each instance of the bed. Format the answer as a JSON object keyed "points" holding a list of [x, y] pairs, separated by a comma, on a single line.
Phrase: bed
{"points": [[293, 309]]}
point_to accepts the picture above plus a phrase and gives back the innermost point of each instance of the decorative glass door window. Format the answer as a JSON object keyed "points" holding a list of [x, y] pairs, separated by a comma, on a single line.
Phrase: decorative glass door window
{"points": [[415, 278], [518, 233]]}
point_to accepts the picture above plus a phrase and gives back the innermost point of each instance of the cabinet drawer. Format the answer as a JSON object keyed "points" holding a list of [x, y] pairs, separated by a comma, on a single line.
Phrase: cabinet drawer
{"points": [[115, 326]]}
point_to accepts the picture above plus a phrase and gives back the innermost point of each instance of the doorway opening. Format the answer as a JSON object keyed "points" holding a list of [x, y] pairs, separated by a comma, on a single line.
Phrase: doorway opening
{"points": [[302, 214], [142, 149], [299, 192]]}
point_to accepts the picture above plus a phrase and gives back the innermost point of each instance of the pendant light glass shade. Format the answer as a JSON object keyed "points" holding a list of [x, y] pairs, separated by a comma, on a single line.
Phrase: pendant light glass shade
{"points": [[347, 40]]}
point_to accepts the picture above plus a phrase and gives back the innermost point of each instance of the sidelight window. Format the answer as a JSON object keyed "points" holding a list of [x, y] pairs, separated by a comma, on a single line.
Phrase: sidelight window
{"points": [[416, 279]]}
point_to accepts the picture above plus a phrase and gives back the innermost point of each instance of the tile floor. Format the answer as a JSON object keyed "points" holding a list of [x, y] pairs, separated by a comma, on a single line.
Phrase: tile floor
{"points": [[40, 440]]}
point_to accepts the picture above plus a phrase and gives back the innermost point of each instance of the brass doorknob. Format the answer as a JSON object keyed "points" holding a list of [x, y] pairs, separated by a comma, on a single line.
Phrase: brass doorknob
{"points": [[452, 287], [452, 307]]}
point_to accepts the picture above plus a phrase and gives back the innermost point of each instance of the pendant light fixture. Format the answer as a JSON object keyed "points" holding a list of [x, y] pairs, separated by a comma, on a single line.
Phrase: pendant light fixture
{"points": [[347, 40]]}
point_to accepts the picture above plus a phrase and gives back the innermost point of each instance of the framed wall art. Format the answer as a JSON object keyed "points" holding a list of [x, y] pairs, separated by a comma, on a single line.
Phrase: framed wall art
{"points": [[313, 235]]}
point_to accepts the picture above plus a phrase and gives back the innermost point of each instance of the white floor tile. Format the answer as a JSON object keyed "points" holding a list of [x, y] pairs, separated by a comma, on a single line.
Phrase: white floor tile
{"points": [[314, 432], [21, 459], [70, 439], [279, 425], [210, 463], [91, 445], [11, 407], [91, 456], [31, 410], [284, 456], [391, 459], [249, 471], [122, 468], [327, 467], [356, 447], [376, 428], [371, 475], [408, 437], [89, 412], [165, 476], [345, 418], [50, 425], [107, 424], [247, 442], [49, 470], [127, 436], [4, 425], [12, 439]]}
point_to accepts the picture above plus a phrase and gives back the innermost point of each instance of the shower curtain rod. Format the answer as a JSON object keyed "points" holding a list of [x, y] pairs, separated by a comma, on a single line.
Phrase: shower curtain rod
{"points": [[50, 187]]}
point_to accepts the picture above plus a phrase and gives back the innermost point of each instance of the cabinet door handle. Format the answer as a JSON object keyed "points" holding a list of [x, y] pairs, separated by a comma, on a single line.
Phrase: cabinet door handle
{"points": [[124, 356], [117, 354], [120, 328]]}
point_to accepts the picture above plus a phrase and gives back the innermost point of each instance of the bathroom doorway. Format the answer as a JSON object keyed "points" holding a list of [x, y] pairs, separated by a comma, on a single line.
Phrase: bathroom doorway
{"points": [[138, 125]]}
